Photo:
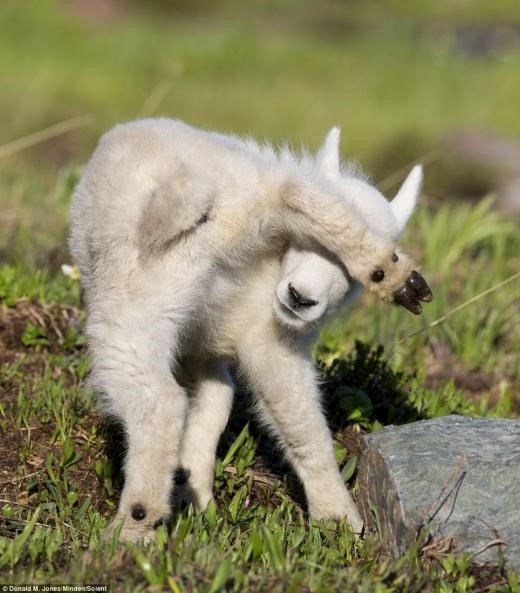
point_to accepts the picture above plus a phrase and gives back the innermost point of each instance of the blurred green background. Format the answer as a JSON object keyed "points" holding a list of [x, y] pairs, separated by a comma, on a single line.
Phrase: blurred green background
{"points": [[402, 78]]}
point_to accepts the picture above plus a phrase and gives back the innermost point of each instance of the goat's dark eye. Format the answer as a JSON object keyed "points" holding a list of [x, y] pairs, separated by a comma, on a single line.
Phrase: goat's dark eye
{"points": [[377, 276]]}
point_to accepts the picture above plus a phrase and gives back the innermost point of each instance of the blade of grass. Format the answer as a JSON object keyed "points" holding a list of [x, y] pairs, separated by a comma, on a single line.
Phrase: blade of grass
{"points": [[43, 135], [221, 576], [425, 159]]}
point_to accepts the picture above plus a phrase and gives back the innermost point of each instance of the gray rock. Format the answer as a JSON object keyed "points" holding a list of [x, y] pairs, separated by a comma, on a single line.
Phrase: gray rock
{"points": [[456, 477]]}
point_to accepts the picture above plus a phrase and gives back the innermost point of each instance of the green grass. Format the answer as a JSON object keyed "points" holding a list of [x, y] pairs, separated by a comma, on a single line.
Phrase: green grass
{"points": [[389, 73], [58, 488]]}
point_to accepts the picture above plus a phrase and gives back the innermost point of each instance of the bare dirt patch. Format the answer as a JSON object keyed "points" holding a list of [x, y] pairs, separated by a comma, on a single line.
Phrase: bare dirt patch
{"points": [[443, 367], [25, 446], [21, 356], [54, 320], [9, 447], [350, 438], [23, 476]]}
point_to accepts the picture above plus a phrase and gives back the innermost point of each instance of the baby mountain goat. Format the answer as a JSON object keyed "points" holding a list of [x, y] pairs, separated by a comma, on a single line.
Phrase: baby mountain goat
{"points": [[178, 234]]}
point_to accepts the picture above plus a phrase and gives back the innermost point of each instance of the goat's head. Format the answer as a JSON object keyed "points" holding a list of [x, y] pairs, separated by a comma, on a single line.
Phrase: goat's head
{"points": [[315, 284]]}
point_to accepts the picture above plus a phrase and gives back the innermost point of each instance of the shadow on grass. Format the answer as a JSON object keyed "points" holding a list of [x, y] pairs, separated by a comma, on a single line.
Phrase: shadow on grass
{"points": [[363, 388]]}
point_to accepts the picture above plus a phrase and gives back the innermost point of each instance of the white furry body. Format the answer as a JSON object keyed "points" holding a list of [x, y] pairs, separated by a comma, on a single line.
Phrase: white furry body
{"points": [[177, 234]]}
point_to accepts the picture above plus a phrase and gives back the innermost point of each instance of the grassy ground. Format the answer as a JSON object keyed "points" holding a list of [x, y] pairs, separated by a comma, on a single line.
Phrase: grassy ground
{"points": [[397, 85]]}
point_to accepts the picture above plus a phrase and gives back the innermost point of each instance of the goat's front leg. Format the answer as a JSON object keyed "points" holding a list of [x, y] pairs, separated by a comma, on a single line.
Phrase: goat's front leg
{"points": [[313, 213], [284, 381], [208, 413]]}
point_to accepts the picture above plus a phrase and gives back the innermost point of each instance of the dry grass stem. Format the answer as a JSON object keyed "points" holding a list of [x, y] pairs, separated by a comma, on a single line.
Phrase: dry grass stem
{"points": [[458, 308], [43, 135]]}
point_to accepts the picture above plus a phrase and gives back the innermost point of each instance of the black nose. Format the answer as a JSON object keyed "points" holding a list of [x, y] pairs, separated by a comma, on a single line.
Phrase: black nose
{"points": [[298, 300]]}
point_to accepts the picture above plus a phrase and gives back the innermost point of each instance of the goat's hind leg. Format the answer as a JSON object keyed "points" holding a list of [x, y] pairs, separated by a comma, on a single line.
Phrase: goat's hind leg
{"points": [[208, 413], [131, 367]]}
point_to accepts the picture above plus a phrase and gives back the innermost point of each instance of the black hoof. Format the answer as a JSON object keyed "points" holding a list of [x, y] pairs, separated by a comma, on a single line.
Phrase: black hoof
{"points": [[407, 298], [414, 290], [418, 283]]}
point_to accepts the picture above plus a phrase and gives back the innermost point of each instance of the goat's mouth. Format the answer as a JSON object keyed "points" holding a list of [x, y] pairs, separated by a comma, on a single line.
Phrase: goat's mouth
{"points": [[286, 314]]}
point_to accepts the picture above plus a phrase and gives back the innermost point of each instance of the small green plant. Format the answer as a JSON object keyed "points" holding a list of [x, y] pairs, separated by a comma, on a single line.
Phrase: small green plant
{"points": [[362, 388], [34, 335], [72, 339]]}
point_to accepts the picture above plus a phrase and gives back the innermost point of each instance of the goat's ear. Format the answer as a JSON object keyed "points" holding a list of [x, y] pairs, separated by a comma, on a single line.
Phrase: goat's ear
{"points": [[405, 201], [328, 154]]}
